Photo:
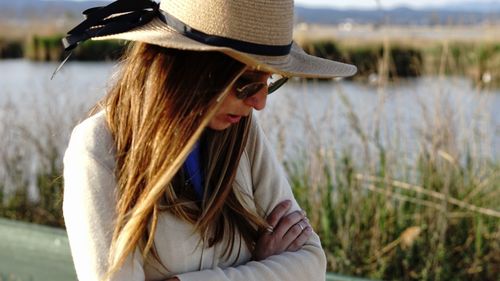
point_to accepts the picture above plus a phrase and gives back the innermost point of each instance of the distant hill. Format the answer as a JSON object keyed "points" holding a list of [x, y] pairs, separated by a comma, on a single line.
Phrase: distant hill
{"points": [[401, 16], [44, 9], [483, 6], [467, 12]]}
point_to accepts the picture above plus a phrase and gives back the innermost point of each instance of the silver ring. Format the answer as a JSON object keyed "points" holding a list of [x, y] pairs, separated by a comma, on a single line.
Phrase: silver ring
{"points": [[301, 227], [270, 229]]}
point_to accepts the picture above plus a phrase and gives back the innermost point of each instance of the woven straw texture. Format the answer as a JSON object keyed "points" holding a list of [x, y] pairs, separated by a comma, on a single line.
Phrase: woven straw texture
{"points": [[268, 22], [258, 21]]}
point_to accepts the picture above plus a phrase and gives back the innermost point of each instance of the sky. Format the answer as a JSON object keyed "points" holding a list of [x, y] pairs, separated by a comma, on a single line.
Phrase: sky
{"points": [[372, 4]]}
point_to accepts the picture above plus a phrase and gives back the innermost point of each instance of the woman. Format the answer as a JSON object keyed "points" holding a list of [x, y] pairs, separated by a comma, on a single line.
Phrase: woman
{"points": [[172, 178]]}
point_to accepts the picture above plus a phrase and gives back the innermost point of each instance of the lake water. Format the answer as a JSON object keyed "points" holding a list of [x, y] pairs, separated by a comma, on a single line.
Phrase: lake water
{"points": [[299, 116]]}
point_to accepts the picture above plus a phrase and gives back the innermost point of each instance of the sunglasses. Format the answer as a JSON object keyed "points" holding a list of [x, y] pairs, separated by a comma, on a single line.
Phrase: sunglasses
{"points": [[247, 87]]}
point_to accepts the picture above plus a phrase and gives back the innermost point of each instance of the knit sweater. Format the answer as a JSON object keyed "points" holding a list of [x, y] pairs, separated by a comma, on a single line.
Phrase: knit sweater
{"points": [[89, 213]]}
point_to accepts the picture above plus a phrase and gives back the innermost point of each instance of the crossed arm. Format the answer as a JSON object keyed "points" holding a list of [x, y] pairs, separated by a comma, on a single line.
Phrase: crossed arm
{"points": [[289, 233], [291, 252]]}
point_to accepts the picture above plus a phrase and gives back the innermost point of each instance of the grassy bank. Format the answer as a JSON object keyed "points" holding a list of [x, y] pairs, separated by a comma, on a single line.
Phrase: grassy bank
{"points": [[478, 60], [435, 218], [49, 48], [27, 193], [392, 204], [405, 61]]}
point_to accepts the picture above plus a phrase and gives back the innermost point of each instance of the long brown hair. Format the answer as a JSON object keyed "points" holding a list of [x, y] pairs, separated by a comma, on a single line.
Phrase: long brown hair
{"points": [[159, 106]]}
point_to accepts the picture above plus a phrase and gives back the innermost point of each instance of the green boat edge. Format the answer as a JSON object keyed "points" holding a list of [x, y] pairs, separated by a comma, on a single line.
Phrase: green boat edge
{"points": [[27, 251]]}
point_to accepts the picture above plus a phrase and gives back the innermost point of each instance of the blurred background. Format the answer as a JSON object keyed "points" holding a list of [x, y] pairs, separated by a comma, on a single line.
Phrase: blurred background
{"points": [[398, 167]]}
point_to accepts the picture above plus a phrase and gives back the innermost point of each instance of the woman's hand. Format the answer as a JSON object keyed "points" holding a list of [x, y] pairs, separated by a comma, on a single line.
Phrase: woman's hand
{"points": [[289, 232]]}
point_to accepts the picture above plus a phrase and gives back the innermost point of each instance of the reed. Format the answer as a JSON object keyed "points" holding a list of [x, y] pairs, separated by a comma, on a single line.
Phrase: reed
{"points": [[33, 196], [31, 184], [395, 205], [440, 224], [386, 204], [478, 60], [406, 61], [11, 48], [50, 48]]}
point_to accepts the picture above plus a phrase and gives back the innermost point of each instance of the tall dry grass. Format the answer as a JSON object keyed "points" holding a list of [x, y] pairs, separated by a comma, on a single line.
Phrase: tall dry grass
{"points": [[35, 129], [393, 204]]}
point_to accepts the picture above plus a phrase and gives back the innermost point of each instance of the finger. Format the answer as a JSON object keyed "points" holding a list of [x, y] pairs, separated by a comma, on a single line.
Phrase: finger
{"points": [[294, 232], [278, 212], [301, 240], [287, 223], [308, 223]]}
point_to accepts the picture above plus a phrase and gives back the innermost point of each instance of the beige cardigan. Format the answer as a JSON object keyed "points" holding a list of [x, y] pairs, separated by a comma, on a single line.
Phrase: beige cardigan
{"points": [[89, 200]]}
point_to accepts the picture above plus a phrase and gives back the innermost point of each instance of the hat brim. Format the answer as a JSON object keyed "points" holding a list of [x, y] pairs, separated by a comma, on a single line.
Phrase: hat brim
{"points": [[296, 64]]}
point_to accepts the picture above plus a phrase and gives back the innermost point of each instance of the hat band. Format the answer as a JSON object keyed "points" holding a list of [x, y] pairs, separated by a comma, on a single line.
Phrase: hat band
{"points": [[219, 41], [125, 15]]}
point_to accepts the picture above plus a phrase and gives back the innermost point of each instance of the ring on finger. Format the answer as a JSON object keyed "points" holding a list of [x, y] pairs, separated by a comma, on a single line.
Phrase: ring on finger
{"points": [[301, 227], [270, 229]]}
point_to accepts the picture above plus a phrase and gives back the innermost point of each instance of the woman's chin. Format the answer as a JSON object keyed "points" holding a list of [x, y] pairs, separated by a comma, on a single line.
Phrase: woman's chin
{"points": [[220, 123], [219, 126]]}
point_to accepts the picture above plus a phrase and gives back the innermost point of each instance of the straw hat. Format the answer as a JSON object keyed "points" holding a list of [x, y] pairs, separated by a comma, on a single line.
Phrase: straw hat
{"points": [[257, 32]]}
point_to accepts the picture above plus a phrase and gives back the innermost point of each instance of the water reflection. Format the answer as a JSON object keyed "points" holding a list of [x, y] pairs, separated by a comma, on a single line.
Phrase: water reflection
{"points": [[297, 115]]}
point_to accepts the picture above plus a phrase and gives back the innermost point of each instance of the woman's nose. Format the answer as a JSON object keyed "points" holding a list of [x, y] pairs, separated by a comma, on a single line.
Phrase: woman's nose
{"points": [[257, 101]]}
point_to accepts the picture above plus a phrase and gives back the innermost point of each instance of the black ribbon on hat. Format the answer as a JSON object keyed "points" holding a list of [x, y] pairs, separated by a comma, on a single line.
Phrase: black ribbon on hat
{"points": [[117, 17], [219, 41], [124, 15]]}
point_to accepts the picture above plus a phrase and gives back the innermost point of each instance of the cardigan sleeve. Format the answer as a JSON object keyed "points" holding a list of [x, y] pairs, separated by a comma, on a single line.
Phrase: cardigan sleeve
{"points": [[270, 187], [89, 205]]}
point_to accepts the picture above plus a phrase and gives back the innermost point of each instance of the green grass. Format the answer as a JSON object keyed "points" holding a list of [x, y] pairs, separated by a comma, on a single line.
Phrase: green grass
{"points": [[11, 49], [49, 186], [441, 225], [406, 61], [50, 48], [477, 60], [421, 211]]}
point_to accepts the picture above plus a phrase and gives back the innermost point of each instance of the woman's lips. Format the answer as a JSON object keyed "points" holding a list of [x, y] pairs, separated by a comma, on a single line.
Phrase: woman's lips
{"points": [[233, 118]]}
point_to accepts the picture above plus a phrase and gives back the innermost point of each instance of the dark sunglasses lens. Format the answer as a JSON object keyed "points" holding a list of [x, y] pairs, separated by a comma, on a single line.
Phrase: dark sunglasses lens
{"points": [[276, 85], [249, 90]]}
